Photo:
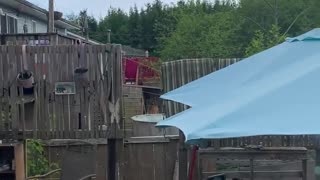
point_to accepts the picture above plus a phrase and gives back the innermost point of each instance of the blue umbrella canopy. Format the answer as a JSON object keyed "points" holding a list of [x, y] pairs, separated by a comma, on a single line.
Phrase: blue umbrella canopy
{"points": [[275, 92]]}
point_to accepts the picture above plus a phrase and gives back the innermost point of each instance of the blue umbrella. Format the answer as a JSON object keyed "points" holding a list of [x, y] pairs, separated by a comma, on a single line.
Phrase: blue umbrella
{"points": [[275, 92]]}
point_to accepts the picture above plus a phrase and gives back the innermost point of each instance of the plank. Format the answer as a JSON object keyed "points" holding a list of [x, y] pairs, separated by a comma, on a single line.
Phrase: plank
{"points": [[46, 91], [12, 73], [76, 99], [2, 120], [53, 78], [31, 61], [43, 124], [37, 111], [21, 61], [266, 153], [65, 98], [260, 174]]}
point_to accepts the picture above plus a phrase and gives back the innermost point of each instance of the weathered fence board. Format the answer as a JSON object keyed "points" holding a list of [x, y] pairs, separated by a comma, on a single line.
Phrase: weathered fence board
{"points": [[46, 115], [178, 73], [152, 158]]}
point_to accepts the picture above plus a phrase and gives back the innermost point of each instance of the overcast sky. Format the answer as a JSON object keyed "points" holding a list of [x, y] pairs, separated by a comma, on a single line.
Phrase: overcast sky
{"points": [[98, 8]]}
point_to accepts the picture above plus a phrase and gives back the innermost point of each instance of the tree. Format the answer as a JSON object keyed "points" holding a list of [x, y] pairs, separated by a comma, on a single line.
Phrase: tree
{"points": [[149, 17], [87, 24], [135, 29], [204, 35], [196, 28], [264, 40], [116, 21]]}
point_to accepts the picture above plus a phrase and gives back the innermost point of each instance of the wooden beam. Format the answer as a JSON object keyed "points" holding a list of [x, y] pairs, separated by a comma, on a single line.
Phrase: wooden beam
{"points": [[305, 169], [20, 161], [263, 154], [259, 174], [251, 169], [317, 166], [147, 140], [64, 142]]}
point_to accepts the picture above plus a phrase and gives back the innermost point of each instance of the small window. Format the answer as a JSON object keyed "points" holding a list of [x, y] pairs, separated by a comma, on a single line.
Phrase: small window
{"points": [[34, 27], [3, 24], [12, 25]]}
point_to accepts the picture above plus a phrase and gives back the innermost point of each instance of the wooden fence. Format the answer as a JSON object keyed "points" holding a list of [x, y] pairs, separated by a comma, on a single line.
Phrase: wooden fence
{"points": [[78, 159], [150, 158], [38, 112], [178, 73]]}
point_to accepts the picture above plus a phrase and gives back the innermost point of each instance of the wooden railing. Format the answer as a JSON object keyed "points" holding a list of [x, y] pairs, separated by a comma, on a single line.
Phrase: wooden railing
{"points": [[37, 39], [256, 155], [39, 112], [308, 141]]}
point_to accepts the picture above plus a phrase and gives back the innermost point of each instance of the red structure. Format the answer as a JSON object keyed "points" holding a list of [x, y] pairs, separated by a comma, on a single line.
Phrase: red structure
{"points": [[141, 70]]}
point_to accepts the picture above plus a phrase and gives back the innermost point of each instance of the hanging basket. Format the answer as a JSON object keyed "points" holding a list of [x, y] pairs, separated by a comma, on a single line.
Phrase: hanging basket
{"points": [[81, 76], [25, 79], [57, 15]]}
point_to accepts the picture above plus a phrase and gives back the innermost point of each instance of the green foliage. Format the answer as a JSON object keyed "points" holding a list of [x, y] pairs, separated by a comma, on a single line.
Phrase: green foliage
{"points": [[214, 28], [117, 22], [257, 44], [264, 40], [203, 35], [86, 23], [37, 164]]}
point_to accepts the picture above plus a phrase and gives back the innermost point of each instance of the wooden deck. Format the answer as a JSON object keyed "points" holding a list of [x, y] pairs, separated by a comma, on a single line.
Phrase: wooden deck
{"points": [[37, 39]]}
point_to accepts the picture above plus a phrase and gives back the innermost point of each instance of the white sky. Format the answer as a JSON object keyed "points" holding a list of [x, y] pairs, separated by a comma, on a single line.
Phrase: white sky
{"points": [[97, 8]]}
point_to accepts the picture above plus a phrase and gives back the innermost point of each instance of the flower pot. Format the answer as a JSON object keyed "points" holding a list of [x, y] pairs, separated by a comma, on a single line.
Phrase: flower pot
{"points": [[25, 79]]}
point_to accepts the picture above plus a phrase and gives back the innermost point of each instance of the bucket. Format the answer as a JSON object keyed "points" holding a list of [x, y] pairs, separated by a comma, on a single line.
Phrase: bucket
{"points": [[25, 79]]}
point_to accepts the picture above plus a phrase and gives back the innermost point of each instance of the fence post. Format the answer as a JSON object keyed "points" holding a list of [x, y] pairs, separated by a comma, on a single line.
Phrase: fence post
{"points": [[183, 158], [317, 166]]}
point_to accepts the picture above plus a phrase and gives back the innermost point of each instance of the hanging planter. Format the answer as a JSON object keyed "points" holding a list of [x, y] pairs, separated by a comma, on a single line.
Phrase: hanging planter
{"points": [[81, 76], [57, 15], [25, 79]]}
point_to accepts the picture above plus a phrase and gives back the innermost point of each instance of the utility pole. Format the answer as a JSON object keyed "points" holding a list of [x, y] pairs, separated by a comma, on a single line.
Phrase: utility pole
{"points": [[86, 27], [109, 35], [51, 17]]}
